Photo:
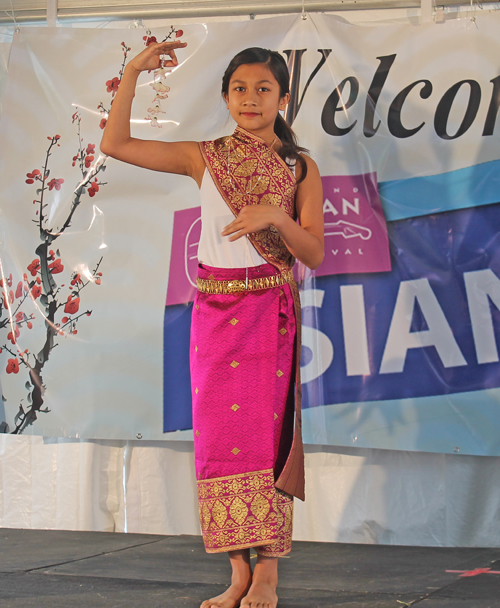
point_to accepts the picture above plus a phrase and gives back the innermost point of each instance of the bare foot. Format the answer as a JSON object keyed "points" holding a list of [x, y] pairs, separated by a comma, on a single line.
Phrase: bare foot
{"points": [[262, 594], [231, 598]]}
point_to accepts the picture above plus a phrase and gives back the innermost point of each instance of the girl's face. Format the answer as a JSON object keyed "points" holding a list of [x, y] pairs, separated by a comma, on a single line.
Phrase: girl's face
{"points": [[254, 100]]}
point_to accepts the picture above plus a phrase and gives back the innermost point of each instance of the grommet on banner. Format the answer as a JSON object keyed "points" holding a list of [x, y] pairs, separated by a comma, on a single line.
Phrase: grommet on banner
{"points": [[139, 435], [304, 14], [456, 450], [439, 16], [13, 17], [474, 4], [252, 16], [136, 24]]}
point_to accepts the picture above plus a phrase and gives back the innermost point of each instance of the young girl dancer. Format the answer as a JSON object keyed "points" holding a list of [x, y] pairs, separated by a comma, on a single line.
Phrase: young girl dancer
{"points": [[245, 334]]}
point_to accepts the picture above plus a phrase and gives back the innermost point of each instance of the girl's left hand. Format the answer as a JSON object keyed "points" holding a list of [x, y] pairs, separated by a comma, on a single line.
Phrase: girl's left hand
{"points": [[253, 218]]}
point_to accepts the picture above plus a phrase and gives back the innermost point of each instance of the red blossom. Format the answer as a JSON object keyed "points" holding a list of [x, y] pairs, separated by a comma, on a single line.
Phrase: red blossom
{"points": [[94, 187], [8, 298], [57, 137], [74, 332], [19, 317], [72, 305], [103, 122], [179, 33], [88, 161], [32, 176], [36, 291], [29, 325], [12, 366], [38, 280], [55, 183], [75, 116], [56, 267], [19, 290], [64, 320], [13, 336], [149, 40], [112, 85], [76, 279], [98, 281], [90, 149], [89, 313], [34, 267]]}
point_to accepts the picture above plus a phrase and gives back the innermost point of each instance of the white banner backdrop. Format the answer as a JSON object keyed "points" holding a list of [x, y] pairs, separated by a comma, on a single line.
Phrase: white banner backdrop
{"points": [[104, 375]]}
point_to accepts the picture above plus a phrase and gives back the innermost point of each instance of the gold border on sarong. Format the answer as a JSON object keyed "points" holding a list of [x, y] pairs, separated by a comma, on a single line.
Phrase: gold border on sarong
{"points": [[242, 511]]}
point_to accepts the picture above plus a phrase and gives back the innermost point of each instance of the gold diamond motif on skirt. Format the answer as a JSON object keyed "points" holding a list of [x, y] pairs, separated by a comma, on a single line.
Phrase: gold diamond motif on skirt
{"points": [[279, 373], [282, 331], [275, 416], [195, 349], [198, 432], [235, 407], [233, 321], [260, 507], [234, 364], [196, 390], [238, 510], [205, 516], [219, 513], [235, 451]]}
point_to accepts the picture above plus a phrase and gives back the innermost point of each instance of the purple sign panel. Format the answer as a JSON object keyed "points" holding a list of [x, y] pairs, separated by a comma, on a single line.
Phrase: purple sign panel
{"points": [[356, 238], [184, 256]]}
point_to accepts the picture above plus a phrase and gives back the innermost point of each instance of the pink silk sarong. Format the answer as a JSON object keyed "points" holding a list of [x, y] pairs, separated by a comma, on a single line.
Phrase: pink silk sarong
{"points": [[243, 359]]}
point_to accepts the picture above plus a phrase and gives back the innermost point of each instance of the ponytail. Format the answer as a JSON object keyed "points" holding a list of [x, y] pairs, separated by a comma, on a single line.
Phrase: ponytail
{"points": [[290, 150]]}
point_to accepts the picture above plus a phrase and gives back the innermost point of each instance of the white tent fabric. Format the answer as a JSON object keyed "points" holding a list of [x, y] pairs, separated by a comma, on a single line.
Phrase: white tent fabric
{"points": [[353, 495]]}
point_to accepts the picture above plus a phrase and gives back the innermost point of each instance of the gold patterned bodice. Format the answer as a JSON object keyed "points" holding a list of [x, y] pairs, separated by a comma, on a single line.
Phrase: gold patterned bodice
{"points": [[247, 171]]}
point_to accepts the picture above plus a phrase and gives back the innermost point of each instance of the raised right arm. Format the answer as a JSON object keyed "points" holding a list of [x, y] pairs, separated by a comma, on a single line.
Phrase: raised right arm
{"points": [[183, 157]]}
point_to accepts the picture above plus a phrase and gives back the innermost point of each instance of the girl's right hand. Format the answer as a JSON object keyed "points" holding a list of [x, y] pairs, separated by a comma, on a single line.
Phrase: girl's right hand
{"points": [[149, 59]]}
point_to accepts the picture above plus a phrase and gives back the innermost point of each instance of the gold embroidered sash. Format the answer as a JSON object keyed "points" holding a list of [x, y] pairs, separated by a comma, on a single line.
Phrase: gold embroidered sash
{"points": [[247, 171]]}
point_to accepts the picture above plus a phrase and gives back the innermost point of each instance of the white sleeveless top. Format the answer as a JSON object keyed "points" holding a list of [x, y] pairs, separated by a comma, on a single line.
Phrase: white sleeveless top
{"points": [[214, 249]]}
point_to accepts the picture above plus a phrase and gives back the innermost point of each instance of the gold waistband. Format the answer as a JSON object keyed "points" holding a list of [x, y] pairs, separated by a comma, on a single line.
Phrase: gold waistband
{"points": [[237, 285]]}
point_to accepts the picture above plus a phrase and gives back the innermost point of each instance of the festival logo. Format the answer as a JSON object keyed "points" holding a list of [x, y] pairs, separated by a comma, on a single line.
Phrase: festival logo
{"points": [[355, 230]]}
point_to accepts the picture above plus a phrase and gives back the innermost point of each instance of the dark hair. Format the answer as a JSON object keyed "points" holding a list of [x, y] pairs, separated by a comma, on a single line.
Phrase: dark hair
{"points": [[290, 150]]}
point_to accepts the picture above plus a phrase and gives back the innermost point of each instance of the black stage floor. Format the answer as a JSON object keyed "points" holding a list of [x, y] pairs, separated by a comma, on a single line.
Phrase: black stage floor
{"points": [[59, 569]]}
